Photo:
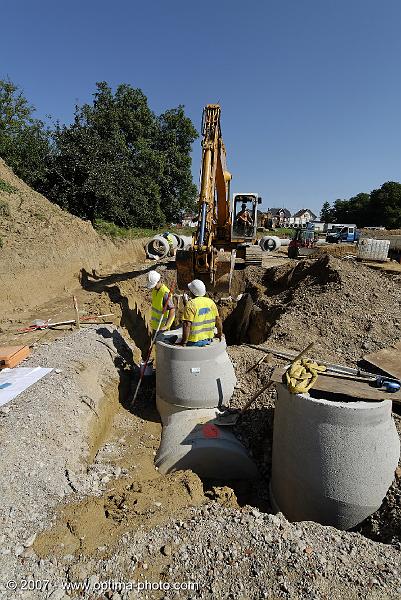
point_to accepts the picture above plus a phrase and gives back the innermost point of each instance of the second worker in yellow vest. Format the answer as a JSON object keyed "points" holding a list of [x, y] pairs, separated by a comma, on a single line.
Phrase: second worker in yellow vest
{"points": [[160, 297], [200, 317]]}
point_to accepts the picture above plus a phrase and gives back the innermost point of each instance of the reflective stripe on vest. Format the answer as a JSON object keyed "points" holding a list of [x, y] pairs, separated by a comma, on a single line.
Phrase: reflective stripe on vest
{"points": [[170, 240], [157, 307], [202, 327]]}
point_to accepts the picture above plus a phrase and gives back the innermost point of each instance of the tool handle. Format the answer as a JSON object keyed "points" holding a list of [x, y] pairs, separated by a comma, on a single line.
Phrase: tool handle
{"points": [[255, 396], [301, 354]]}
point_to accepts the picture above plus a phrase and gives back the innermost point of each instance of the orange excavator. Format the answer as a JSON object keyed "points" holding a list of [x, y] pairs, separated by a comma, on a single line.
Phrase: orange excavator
{"points": [[225, 235]]}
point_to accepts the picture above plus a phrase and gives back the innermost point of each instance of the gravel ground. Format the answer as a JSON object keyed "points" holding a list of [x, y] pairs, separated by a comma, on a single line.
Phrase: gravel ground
{"points": [[249, 554], [44, 435]]}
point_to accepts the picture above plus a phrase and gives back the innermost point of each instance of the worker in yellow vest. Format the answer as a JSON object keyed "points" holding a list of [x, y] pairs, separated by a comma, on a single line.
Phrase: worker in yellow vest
{"points": [[160, 296], [170, 239], [200, 317]]}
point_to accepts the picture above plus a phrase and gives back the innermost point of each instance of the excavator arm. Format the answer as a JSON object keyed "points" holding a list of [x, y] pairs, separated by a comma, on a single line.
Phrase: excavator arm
{"points": [[214, 223], [213, 251]]}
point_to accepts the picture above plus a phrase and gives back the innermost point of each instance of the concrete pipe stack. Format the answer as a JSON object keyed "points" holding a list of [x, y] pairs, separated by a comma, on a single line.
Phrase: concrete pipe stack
{"points": [[333, 462], [158, 247], [191, 384]]}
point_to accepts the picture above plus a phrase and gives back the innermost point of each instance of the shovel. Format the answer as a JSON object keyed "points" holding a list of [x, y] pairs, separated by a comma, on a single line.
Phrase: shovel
{"points": [[230, 417]]}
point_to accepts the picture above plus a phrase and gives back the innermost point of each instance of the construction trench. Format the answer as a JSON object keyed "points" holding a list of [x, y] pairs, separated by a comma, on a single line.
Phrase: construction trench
{"points": [[122, 489]]}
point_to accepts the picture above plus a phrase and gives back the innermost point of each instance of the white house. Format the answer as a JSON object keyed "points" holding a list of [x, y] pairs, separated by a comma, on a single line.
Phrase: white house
{"points": [[302, 217]]}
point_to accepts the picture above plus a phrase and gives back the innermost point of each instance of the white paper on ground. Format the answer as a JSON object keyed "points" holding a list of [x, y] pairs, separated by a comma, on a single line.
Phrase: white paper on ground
{"points": [[20, 379]]}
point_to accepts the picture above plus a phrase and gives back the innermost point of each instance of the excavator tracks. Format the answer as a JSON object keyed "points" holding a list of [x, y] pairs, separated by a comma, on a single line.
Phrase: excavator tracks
{"points": [[253, 256]]}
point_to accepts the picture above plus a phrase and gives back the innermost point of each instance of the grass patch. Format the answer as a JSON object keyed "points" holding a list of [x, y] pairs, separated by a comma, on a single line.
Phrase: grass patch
{"points": [[283, 232], [6, 187], [114, 231]]}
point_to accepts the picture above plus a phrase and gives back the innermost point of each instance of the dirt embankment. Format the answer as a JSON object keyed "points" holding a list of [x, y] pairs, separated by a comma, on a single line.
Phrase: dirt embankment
{"points": [[43, 248], [346, 309]]}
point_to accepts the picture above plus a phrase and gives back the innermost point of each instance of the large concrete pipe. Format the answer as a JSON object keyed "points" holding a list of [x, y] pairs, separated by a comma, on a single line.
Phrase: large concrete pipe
{"points": [[179, 240], [333, 462], [190, 384], [191, 440], [269, 243], [157, 247], [187, 241], [192, 377]]}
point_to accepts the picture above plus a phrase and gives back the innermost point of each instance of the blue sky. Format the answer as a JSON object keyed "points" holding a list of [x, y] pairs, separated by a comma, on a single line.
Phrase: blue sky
{"points": [[310, 89]]}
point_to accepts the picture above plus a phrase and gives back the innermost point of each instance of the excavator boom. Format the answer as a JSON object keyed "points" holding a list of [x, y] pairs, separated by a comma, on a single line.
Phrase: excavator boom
{"points": [[213, 251]]}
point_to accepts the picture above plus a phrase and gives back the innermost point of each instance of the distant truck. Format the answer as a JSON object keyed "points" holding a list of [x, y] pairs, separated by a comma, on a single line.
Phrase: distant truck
{"points": [[342, 233]]}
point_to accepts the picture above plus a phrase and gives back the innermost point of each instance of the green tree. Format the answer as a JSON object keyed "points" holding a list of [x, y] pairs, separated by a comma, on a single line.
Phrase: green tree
{"points": [[326, 213], [119, 162], [385, 205], [175, 136], [340, 211], [24, 141], [358, 210]]}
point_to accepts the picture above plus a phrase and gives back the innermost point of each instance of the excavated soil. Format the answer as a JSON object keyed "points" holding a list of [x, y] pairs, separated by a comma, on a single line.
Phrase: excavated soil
{"points": [[346, 309], [44, 248]]}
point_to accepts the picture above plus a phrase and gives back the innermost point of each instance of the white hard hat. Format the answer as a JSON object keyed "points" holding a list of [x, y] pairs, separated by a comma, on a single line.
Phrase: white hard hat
{"points": [[153, 279], [197, 287]]}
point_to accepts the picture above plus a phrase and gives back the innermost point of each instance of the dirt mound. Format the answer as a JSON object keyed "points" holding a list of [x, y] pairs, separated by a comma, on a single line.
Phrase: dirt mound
{"points": [[345, 308], [380, 233], [334, 250], [44, 248]]}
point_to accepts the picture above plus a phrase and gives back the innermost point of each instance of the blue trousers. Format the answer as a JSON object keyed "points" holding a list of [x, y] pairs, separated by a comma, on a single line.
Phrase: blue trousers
{"points": [[200, 343]]}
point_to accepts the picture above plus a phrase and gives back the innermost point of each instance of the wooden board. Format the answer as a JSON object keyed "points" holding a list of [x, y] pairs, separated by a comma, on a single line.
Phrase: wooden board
{"points": [[11, 356], [388, 360], [345, 387]]}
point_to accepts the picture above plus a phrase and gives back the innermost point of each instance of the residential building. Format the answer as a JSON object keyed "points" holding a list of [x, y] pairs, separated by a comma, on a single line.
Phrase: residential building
{"points": [[302, 217]]}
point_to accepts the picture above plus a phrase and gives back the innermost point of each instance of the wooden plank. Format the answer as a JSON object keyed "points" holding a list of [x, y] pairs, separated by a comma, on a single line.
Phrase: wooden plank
{"points": [[388, 360], [11, 356], [344, 387]]}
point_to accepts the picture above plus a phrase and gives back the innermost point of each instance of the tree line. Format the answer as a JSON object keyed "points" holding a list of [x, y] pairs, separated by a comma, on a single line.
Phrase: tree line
{"points": [[382, 207], [117, 161]]}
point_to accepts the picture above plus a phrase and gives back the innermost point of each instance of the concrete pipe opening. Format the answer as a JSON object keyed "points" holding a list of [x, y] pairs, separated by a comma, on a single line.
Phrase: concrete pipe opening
{"points": [[333, 462], [191, 440], [192, 377], [157, 246], [269, 243], [179, 241]]}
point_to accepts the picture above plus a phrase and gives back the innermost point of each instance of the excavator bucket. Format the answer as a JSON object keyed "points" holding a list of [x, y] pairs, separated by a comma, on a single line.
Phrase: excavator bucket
{"points": [[224, 263], [185, 268], [224, 267]]}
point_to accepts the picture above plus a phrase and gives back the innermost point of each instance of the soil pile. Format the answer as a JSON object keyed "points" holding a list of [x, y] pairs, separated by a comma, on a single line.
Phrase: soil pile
{"points": [[346, 309], [44, 248]]}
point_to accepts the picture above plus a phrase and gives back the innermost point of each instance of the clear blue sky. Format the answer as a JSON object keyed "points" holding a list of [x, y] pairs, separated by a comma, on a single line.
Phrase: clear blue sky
{"points": [[310, 89]]}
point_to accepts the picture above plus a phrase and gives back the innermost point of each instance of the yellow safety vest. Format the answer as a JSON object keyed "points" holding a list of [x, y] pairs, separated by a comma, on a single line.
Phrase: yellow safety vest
{"points": [[202, 327], [170, 240], [157, 307]]}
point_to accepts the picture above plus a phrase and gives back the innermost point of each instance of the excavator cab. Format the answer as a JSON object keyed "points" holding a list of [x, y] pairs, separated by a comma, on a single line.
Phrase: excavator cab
{"points": [[244, 217]]}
